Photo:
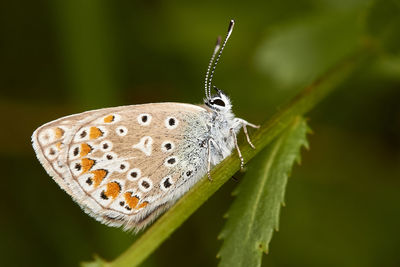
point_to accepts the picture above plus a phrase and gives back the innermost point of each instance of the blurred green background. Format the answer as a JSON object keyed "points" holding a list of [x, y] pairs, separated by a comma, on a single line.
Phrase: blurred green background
{"points": [[64, 57]]}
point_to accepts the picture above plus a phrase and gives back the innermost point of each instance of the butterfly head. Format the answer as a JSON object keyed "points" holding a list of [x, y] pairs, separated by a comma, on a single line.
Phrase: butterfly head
{"points": [[219, 102]]}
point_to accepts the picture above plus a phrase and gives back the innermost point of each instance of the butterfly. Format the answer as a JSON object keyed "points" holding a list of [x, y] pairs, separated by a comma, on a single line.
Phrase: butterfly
{"points": [[126, 165]]}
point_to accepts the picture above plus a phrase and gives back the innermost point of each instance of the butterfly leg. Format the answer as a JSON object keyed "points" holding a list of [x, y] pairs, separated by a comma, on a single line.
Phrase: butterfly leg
{"points": [[247, 136], [237, 148], [210, 141], [209, 158], [244, 126]]}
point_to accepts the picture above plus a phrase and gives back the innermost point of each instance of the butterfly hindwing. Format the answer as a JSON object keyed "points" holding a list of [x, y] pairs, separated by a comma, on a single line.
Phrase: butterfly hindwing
{"points": [[123, 165], [51, 142]]}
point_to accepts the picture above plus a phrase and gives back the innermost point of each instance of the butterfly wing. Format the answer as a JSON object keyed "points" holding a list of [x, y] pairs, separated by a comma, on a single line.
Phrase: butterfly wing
{"points": [[125, 165]]}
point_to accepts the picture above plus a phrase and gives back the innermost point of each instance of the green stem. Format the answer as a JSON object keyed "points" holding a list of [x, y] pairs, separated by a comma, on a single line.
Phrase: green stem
{"points": [[190, 202]]}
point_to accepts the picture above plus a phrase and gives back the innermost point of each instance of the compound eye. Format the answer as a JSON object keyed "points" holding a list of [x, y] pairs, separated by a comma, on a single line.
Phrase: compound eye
{"points": [[218, 102]]}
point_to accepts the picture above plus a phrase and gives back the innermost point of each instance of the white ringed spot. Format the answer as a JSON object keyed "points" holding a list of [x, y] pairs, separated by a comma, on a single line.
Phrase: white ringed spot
{"points": [[100, 196], [122, 167], [145, 145], [110, 156], [171, 161], [188, 173], [119, 203], [74, 152], [86, 181], [51, 152], [47, 136], [167, 146], [145, 184], [171, 123], [166, 183], [144, 119], [121, 130], [76, 167], [134, 174], [106, 146], [59, 167], [82, 134]]}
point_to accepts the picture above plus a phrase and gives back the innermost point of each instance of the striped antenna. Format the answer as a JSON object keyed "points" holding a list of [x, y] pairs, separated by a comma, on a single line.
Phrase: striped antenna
{"points": [[217, 46], [230, 29]]}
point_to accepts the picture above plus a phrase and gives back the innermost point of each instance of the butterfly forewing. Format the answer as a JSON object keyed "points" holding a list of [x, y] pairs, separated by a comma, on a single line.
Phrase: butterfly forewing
{"points": [[122, 164]]}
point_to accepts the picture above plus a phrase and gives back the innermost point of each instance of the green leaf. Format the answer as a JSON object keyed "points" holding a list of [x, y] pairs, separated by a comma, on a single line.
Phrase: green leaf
{"points": [[254, 215]]}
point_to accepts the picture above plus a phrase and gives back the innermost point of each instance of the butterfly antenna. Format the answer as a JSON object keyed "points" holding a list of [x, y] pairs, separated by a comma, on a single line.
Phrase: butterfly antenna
{"points": [[217, 47], [230, 29]]}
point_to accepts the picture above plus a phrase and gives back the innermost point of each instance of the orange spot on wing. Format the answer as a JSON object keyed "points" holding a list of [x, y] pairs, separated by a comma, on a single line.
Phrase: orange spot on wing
{"points": [[142, 205], [58, 132], [95, 133], [130, 200], [112, 190], [109, 119], [85, 149], [59, 146], [99, 175], [87, 164]]}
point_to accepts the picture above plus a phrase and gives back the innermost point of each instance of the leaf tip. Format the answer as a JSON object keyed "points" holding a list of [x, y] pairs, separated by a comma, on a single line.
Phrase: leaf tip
{"points": [[263, 248]]}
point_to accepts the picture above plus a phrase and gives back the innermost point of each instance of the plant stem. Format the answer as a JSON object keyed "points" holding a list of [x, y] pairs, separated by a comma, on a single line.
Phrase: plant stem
{"points": [[191, 201]]}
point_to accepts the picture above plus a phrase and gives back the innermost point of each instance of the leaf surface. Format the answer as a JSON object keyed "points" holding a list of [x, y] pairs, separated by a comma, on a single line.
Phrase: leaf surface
{"points": [[254, 215]]}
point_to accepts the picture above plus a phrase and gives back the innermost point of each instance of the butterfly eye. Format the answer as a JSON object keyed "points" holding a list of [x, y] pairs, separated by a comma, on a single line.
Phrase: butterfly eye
{"points": [[218, 102]]}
